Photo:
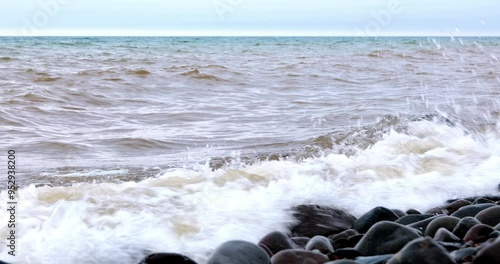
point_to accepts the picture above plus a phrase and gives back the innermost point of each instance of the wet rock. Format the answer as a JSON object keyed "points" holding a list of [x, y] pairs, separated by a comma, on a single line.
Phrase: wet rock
{"points": [[166, 258], [277, 241], [344, 234], [354, 240], [448, 222], [464, 254], [464, 225], [450, 246], [239, 252], [413, 218], [422, 225], [398, 212], [478, 233], [313, 220], [482, 200], [489, 216], [449, 208], [470, 210], [489, 254], [494, 234], [497, 227], [444, 235], [320, 243], [412, 211], [385, 238], [345, 253], [343, 261], [381, 259], [422, 251], [298, 256], [374, 216], [300, 241]]}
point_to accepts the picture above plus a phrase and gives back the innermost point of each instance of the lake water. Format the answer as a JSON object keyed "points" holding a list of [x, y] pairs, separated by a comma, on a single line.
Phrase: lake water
{"points": [[130, 145]]}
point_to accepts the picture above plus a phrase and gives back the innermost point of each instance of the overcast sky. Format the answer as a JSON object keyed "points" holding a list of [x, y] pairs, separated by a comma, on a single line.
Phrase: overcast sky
{"points": [[250, 17]]}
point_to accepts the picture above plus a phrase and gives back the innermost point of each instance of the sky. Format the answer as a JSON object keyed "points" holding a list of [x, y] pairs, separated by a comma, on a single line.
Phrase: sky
{"points": [[250, 17]]}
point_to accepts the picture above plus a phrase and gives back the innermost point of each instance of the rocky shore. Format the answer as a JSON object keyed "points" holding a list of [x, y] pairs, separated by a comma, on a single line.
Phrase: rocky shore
{"points": [[461, 231]]}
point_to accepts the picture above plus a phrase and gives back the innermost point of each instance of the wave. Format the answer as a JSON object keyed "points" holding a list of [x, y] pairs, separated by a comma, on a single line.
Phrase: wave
{"points": [[196, 74], [188, 210]]}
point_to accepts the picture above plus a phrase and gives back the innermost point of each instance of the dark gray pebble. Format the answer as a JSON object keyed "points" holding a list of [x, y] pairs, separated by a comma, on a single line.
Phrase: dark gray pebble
{"points": [[464, 225], [478, 233], [374, 216], [412, 211], [167, 258], [448, 222], [444, 235], [489, 253], [489, 216], [239, 252], [298, 256], [320, 243], [422, 251], [471, 210], [277, 241], [381, 259], [314, 220], [413, 218], [385, 238]]}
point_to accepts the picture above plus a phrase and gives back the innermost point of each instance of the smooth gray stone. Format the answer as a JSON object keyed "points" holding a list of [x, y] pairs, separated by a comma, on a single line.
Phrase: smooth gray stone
{"points": [[374, 216], [471, 210], [489, 216], [315, 220], [298, 256], [239, 252], [413, 218], [464, 225], [385, 238], [422, 251], [448, 222]]}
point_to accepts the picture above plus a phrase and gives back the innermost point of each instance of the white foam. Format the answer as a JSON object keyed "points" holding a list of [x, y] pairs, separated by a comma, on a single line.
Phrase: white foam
{"points": [[194, 211]]}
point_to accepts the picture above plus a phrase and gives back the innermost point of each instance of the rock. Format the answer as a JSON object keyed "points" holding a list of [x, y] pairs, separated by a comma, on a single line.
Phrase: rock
{"points": [[298, 256], [300, 241], [497, 227], [494, 234], [422, 251], [412, 211], [385, 238], [448, 222], [320, 243], [489, 216], [352, 241], [398, 212], [450, 246], [345, 253], [167, 258], [277, 241], [482, 200], [470, 210], [444, 235], [239, 252], [422, 225], [464, 225], [381, 259], [412, 218], [449, 208], [343, 261], [372, 217], [313, 220], [478, 233], [344, 234], [489, 254], [464, 254]]}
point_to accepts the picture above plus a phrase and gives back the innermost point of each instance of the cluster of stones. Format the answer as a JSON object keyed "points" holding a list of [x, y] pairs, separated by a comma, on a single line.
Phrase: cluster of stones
{"points": [[462, 231]]}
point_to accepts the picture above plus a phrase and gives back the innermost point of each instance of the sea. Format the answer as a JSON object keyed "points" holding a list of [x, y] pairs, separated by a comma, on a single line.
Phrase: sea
{"points": [[126, 146]]}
